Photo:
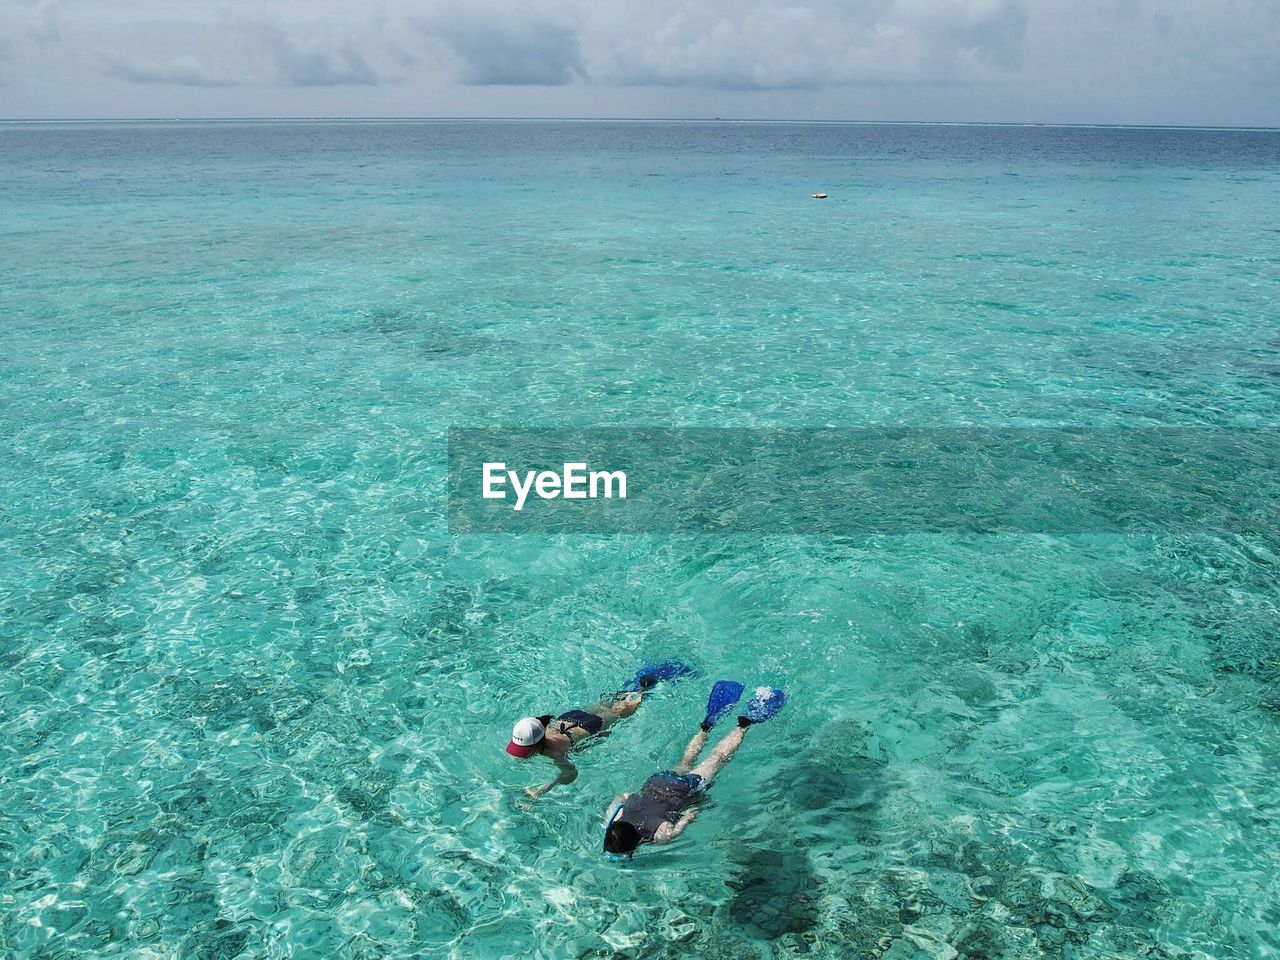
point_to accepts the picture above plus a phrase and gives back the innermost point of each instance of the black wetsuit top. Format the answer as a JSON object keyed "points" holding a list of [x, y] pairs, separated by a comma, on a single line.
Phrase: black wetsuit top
{"points": [[661, 800]]}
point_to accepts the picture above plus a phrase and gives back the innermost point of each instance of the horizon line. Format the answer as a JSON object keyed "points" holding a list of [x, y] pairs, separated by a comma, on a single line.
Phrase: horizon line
{"points": [[555, 119]]}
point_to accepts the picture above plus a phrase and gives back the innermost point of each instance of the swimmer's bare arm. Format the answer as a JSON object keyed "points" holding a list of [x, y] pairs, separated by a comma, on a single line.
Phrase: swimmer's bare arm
{"points": [[669, 831], [568, 774]]}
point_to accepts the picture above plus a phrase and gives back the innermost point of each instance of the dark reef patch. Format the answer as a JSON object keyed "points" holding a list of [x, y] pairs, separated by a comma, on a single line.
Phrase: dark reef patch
{"points": [[775, 893], [421, 330]]}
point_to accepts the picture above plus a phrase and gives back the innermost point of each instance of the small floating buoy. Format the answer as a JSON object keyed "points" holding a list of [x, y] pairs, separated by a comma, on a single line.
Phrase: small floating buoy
{"points": [[819, 196]]}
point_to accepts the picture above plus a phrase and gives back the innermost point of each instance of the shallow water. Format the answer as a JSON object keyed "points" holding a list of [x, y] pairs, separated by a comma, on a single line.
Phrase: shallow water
{"points": [[254, 694]]}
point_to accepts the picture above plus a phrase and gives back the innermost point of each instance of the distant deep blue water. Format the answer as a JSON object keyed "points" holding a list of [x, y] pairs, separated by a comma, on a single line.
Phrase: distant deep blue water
{"points": [[254, 695]]}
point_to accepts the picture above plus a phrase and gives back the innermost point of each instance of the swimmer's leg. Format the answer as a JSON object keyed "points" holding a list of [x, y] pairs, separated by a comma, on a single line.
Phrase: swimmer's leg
{"points": [[628, 704], [720, 755], [691, 752], [623, 705]]}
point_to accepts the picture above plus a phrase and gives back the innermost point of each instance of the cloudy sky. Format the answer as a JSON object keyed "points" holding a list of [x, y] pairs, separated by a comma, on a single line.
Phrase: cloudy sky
{"points": [[1213, 62]]}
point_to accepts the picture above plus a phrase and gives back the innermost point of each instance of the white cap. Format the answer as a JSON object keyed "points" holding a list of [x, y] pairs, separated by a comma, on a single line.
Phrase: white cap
{"points": [[524, 735]]}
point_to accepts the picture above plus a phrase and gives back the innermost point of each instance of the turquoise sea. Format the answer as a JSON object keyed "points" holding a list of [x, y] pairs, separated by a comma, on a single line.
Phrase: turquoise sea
{"points": [[254, 695]]}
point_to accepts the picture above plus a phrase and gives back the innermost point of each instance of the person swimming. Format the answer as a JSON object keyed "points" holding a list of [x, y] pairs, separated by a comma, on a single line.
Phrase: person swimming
{"points": [[555, 736], [668, 801]]}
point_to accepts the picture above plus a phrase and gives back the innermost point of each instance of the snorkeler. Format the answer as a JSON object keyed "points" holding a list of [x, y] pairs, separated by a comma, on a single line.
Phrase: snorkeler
{"points": [[667, 803], [554, 737]]}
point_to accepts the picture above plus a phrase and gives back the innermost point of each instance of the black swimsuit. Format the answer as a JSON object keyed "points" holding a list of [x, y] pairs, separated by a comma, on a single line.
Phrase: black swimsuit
{"points": [[589, 722], [661, 800]]}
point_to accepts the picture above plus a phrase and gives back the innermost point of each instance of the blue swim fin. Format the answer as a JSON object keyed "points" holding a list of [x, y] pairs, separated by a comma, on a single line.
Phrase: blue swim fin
{"points": [[723, 696], [651, 673], [766, 702]]}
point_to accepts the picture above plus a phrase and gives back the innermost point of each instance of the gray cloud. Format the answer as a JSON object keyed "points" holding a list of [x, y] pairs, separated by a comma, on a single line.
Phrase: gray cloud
{"points": [[492, 48], [183, 72], [314, 61], [217, 55], [732, 44], [761, 46], [1140, 61], [990, 32], [48, 27]]}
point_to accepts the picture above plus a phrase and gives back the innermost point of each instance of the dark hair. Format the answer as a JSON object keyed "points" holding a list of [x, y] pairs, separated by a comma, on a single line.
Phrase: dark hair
{"points": [[621, 837], [545, 719]]}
